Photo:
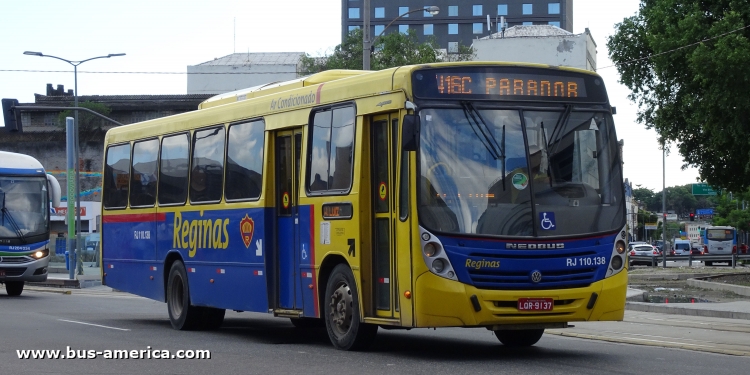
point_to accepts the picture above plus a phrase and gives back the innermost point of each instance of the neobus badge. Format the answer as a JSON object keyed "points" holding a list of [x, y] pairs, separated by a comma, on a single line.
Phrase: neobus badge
{"points": [[534, 246]]}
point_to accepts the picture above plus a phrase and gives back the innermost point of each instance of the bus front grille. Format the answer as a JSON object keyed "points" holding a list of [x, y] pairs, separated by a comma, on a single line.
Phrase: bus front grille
{"points": [[521, 279], [12, 271]]}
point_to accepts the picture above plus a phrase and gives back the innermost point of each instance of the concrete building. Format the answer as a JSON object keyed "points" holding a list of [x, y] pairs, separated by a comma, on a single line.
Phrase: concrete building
{"points": [[542, 44], [458, 21], [242, 70], [125, 109]]}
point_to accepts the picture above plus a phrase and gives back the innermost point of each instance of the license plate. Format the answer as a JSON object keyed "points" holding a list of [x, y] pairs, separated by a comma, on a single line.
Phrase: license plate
{"points": [[535, 304]]}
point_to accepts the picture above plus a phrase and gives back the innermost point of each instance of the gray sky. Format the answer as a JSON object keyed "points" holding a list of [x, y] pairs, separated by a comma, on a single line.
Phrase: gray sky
{"points": [[166, 36]]}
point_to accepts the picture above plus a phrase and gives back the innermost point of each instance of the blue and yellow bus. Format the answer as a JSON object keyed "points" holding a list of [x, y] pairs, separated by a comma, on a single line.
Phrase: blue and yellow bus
{"points": [[472, 194], [27, 196]]}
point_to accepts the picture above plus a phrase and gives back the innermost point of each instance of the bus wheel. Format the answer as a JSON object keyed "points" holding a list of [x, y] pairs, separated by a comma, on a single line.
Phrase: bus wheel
{"points": [[344, 327], [211, 317], [182, 315], [14, 288], [523, 337]]}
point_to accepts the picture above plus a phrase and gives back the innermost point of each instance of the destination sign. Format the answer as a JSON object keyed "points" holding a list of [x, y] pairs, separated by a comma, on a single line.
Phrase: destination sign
{"points": [[506, 83]]}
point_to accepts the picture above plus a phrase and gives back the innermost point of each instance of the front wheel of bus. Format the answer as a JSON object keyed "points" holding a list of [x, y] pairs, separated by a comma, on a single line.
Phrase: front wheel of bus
{"points": [[345, 329], [182, 315], [522, 337], [14, 288]]}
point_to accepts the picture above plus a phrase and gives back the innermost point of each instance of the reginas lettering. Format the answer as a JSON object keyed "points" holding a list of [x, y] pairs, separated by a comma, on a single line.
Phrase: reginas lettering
{"points": [[479, 264], [199, 234]]}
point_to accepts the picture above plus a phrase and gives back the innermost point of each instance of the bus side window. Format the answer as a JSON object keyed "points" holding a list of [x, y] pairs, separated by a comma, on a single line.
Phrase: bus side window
{"points": [[173, 169], [245, 160], [207, 175], [143, 175], [117, 176], [332, 150]]}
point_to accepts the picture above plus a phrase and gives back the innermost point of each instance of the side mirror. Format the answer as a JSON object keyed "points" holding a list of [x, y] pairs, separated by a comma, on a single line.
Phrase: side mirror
{"points": [[410, 132]]}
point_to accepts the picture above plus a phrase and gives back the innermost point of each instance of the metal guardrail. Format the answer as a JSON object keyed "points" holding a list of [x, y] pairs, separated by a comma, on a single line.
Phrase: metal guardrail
{"points": [[657, 259]]}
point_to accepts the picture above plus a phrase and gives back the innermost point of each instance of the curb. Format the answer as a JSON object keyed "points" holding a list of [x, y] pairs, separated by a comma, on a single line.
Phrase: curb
{"points": [[647, 343], [675, 310], [736, 289]]}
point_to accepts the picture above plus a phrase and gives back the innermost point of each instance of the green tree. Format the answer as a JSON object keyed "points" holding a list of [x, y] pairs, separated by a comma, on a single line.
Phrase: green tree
{"points": [[392, 49], [86, 120], [685, 62]]}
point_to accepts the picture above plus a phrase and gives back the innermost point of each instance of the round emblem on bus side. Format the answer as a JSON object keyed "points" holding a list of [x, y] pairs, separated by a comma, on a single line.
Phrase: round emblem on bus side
{"points": [[536, 277]]}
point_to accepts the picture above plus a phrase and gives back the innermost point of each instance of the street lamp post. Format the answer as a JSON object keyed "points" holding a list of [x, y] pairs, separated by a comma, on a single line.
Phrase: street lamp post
{"points": [[367, 46], [77, 165]]}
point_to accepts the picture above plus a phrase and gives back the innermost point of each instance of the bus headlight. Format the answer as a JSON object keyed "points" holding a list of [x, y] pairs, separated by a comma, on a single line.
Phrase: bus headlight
{"points": [[430, 250], [39, 254], [438, 265], [617, 259], [616, 263], [434, 257]]}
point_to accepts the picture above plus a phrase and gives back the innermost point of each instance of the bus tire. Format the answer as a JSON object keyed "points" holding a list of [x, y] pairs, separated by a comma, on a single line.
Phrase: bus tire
{"points": [[342, 315], [182, 315], [519, 338], [14, 288]]}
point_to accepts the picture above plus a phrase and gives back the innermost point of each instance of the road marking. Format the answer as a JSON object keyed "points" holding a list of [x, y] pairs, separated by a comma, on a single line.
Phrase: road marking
{"points": [[91, 324], [661, 337]]}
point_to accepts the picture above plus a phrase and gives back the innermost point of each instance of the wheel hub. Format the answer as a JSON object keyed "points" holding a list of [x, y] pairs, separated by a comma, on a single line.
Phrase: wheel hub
{"points": [[341, 309]]}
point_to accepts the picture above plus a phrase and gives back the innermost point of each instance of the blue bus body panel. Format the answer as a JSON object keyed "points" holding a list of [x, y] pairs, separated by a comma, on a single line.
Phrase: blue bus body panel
{"points": [[489, 264], [224, 252], [307, 272]]}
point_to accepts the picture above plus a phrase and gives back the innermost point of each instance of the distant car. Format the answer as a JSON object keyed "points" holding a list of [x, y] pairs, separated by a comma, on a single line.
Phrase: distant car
{"points": [[635, 243], [645, 250], [681, 247]]}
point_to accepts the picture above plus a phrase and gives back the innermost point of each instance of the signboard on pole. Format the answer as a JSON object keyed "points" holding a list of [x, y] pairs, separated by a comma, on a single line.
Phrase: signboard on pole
{"points": [[703, 189], [651, 226], [671, 217], [704, 211]]}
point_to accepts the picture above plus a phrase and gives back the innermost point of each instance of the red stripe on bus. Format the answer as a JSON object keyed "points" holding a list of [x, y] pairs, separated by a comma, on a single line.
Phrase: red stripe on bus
{"points": [[134, 218], [317, 95], [312, 255]]}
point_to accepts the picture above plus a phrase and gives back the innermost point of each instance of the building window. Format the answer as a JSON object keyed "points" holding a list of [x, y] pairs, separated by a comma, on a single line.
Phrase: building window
{"points": [[477, 27], [379, 12], [428, 29], [426, 13], [353, 28], [379, 29], [402, 10], [50, 119], [502, 10], [554, 23], [553, 8], [527, 23], [453, 28], [452, 47], [476, 10], [353, 12], [25, 119], [528, 9], [453, 11], [403, 29]]}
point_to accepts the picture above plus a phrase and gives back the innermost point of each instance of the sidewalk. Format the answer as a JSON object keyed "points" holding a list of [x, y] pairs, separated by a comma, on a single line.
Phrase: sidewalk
{"points": [[58, 276]]}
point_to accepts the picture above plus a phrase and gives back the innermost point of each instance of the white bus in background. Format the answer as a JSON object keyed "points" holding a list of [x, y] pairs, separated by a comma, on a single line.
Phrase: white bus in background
{"points": [[25, 194], [719, 240]]}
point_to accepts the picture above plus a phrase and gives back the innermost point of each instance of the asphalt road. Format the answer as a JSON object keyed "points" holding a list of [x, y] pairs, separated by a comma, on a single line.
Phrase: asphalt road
{"points": [[260, 344]]}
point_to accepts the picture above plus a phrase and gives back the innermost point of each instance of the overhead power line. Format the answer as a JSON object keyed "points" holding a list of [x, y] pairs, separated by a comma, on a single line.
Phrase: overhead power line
{"points": [[90, 72]]}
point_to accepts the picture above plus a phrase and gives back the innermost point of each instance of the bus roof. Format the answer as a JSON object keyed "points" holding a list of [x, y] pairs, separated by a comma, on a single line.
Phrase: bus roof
{"points": [[11, 162], [333, 86]]}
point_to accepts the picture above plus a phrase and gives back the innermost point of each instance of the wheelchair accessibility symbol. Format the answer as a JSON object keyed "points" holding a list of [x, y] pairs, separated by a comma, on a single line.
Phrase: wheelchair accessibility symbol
{"points": [[547, 220]]}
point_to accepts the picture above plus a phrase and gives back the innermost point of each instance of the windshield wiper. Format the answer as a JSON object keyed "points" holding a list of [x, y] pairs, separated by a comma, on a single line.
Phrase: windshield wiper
{"points": [[11, 221], [487, 139]]}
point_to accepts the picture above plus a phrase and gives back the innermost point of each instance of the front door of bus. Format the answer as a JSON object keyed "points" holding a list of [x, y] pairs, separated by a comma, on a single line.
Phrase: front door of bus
{"points": [[384, 156], [288, 149]]}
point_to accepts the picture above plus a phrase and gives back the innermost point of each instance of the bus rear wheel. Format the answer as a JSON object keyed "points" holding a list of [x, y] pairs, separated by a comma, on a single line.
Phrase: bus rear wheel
{"points": [[14, 288], [182, 315], [519, 338], [342, 318]]}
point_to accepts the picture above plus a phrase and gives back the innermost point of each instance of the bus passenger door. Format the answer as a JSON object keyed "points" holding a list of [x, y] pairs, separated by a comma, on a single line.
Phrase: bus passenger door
{"points": [[383, 158], [288, 148]]}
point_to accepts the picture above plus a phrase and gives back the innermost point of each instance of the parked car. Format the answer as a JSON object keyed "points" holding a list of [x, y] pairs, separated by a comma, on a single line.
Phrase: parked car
{"points": [[645, 250]]}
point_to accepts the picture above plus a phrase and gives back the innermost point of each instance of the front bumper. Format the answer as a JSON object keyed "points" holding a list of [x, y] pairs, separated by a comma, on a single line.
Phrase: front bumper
{"points": [[441, 302], [34, 271]]}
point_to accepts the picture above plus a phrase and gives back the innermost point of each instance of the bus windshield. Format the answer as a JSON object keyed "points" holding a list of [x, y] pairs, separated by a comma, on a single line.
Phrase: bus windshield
{"points": [[23, 202], [510, 172]]}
